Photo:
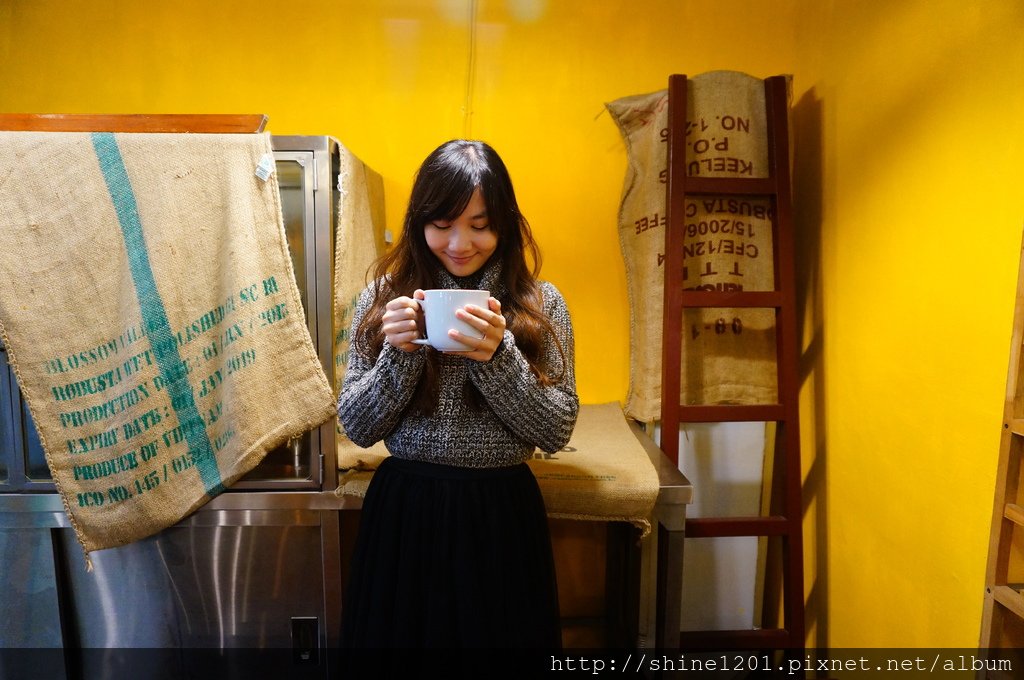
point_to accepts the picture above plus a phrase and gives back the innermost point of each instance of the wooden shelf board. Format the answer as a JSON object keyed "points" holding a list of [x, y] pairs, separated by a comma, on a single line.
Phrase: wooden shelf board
{"points": [[716, 527], [762, 638], [1009, 598], [720, 413], [1014, 513], [135, 122]]}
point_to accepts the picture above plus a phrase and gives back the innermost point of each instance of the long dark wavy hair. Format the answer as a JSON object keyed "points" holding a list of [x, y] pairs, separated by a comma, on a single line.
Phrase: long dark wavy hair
{"points": [[442, 189]]}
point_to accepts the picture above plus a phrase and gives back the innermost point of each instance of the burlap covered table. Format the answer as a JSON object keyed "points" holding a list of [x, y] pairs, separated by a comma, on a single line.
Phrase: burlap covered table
{"points": [[603, 474]]}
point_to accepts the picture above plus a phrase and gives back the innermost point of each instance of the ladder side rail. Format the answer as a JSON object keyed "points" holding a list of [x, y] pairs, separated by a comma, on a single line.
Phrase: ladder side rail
{"points": [[1007, 478], [672, 320], [1009, 459], [776, 99]]}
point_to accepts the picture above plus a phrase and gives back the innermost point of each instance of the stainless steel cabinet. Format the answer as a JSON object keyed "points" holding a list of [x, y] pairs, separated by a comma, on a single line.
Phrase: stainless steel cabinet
{"points": [[257, 568], [22, 462], [306, 168]]}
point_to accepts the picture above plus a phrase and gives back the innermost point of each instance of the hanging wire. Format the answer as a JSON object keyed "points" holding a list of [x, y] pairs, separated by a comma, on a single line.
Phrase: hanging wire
{"points": [[467, 108]]}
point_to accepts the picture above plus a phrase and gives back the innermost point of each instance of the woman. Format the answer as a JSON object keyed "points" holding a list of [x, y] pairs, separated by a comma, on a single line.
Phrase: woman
{"points": [[453, 548]]}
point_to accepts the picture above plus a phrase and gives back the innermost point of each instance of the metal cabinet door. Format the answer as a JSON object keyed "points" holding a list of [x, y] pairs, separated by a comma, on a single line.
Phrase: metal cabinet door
{"points": [[296, 464]]}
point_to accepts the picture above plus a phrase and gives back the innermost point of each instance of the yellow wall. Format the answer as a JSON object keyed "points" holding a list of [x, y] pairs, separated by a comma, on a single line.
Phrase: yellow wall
{"points": [[914, 207], [909, 207], [390, 80]]}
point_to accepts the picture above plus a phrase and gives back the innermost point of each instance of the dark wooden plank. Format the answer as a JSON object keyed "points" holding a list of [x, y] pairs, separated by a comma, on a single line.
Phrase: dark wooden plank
{"points": [[762, 638], [732, 186], [715, 527], [672, 324], [727, 413], [736, 298], [140, 122], [788, 342]]}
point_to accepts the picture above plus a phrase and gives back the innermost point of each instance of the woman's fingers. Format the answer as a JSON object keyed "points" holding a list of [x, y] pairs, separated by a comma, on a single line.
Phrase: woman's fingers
{"points": [[482, 319], [489, 322], [403, 317], [400, 323]]}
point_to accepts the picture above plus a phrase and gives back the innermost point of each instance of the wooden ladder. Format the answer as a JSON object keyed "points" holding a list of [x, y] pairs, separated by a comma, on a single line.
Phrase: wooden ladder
{"points": [[785, 520], [1002, 624]]}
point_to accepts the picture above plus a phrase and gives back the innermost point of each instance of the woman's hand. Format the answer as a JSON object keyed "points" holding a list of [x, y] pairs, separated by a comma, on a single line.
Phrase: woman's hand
{"points": [[401, 322], [488, 321]]}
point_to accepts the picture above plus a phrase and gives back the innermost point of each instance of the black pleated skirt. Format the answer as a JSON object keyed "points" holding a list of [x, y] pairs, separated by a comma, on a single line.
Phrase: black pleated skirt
{"points": [[451, 558]]}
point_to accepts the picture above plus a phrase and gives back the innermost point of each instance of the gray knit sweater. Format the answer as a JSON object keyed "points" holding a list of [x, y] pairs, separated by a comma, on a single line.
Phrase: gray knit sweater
{"points": [[518, 416]]}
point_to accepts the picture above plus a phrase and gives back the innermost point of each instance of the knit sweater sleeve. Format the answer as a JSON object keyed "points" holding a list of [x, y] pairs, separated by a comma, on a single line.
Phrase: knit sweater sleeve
{"points": [[544, 416], [375, 392]]}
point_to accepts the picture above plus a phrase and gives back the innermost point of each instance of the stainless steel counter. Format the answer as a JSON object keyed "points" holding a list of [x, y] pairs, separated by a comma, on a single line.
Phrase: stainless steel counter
{"points": [[247, 569]]}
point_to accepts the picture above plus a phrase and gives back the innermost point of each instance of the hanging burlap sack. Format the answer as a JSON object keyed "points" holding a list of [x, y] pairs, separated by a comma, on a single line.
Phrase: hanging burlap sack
{"points": [[152, 318], [359, 242], [728, 355]]}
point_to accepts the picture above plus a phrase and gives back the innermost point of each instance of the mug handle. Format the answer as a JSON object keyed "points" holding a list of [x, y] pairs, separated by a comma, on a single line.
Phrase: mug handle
{"points": [[421, 341]]}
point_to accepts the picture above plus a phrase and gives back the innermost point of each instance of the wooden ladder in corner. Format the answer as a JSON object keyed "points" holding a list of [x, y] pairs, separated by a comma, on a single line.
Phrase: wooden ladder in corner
{"points": [[785, 522], [1002, 624]]}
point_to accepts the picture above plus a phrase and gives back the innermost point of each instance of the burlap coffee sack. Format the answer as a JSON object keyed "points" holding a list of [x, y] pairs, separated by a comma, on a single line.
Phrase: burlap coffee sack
{"points": [[359, 241], [152, 318], [353, 457], [728, 354], [602, 474]]}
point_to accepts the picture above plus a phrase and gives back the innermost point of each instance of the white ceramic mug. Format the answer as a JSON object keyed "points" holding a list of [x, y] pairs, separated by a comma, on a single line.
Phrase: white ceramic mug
{"points": [[439, 306]]}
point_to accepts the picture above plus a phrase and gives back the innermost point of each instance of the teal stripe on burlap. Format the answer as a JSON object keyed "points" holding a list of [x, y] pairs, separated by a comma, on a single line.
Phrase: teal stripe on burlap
{"points": [[154, 316]]}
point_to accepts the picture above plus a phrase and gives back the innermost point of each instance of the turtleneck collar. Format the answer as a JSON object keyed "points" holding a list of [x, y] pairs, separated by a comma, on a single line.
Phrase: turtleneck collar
{"points": [[487, 277]]}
